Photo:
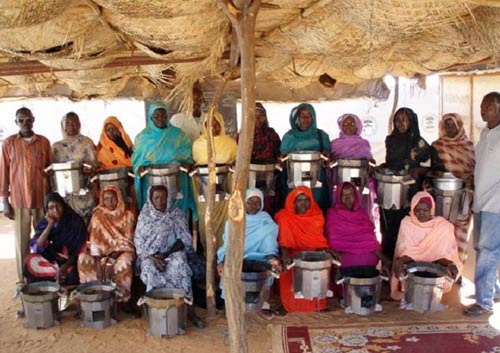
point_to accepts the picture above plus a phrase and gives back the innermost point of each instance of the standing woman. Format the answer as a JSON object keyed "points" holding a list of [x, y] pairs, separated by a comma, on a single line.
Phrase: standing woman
{"points": [[225, 150], [454, 152], [305, 136], [78, 148], [114, 151], [405, 150], [266, 141], [266, 150], [115, 146], [159, 143], [350, 145]]}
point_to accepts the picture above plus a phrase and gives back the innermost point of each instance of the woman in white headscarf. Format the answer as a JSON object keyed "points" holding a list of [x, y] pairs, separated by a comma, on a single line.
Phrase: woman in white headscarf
{"points": [[261, 242]]}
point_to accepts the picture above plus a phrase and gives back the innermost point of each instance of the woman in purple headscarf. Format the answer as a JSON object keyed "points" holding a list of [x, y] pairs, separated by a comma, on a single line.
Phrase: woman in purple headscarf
{"points": [[350, 145], [350, 232]]}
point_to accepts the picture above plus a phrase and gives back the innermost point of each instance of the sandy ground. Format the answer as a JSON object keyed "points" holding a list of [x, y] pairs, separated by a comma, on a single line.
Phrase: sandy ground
{"points": [[128, 335]]}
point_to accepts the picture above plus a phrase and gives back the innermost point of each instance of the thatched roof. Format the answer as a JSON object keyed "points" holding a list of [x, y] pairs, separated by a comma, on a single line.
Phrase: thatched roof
{"points": [[145, 48]]}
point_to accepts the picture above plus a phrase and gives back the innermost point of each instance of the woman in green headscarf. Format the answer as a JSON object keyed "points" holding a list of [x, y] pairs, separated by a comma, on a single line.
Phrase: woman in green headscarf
{"points": [[305, 136], [160, 143]]}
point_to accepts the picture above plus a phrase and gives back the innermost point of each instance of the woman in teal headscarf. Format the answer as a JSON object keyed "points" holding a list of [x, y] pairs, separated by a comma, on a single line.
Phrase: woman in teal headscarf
{"points": [[161, 143], [304, 135]]}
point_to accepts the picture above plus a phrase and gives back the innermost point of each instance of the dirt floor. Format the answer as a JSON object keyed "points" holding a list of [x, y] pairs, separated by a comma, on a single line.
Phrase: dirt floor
{"points": [[128, 335]]}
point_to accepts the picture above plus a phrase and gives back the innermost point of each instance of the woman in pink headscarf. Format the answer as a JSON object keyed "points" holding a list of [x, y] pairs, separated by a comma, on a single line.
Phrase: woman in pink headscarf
{"points": [[350, 145], [424, 237], [350, 231]]}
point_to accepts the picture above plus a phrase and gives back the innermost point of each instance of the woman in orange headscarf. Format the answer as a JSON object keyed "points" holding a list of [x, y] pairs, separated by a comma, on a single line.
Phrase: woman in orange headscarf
{"points": [[115, 147], [301, 228], [114, 151]]}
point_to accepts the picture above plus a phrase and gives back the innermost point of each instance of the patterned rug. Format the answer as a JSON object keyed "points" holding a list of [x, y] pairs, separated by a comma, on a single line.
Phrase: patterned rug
{"points": [[453, 337]]}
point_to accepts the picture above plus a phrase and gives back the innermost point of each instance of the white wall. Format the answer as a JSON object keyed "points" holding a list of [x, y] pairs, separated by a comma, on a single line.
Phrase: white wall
{"points": [[424, 102], [48, 114]]}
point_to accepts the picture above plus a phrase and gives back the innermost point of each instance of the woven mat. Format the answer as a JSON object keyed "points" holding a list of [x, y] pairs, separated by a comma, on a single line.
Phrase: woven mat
{"points": [[450, 336]]}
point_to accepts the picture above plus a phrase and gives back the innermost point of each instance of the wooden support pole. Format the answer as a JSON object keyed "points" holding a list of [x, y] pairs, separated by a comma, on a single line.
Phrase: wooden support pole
{"points": [[243, 14], [209, 228]]}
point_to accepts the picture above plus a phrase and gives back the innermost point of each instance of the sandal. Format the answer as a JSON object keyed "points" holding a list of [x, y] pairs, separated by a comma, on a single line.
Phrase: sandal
{"points": [[197, 322], [195, 319], [281, 311], [20, 314], [266, 314], [476, 310]]}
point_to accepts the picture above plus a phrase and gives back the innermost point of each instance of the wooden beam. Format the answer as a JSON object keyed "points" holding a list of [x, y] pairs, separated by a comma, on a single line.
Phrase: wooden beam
{"points": [[36, 67], [487, 63], [243, 14]]}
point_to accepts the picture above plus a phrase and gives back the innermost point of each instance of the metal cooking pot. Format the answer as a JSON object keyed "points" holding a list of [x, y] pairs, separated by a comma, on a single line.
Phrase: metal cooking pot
{"points": [[304, 168], [94, 291], [311, 274], [167, 174], [447, 182], [392, 188], [352, 170], [261, 176], [361, 286], [254, 278], [68, 178], [38, 292], [40, 302], [424, 287], [222, 184], [119, 177], [166, 311]]}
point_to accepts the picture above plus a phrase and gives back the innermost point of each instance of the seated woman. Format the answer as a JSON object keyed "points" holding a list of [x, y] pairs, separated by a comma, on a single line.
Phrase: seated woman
{"points": [[59, 239], [78, 148], [405, 150], [305, 136], [453, 152], [424, 237], [164, 245], [350, 231], [261, 236], [161, 143], [301, 228], [111, 253], [225, 149], [115, 146], [350, 145]]}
